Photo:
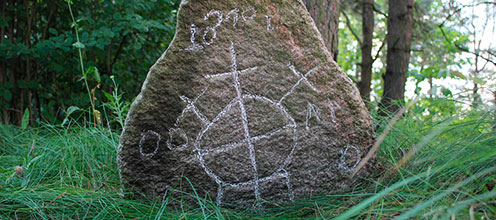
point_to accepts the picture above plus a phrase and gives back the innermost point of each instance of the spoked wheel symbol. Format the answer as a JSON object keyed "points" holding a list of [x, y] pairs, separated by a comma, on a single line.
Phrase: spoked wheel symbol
{"points": [[262, 150], [237, 108]]}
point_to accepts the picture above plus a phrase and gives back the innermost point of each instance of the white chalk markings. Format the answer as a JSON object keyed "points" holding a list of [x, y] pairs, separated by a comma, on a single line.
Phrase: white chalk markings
{"points": [[194, 46], [146, 135], [234, 14], [332, 107], [244, 118], [190, 105], [248, 10], [208, 37], [210, 32], [234, 145], [212, 29], [241, 72], [239, 101], [177, 133], [312, 111], [342, 160], [269, 25], [302, 78]]}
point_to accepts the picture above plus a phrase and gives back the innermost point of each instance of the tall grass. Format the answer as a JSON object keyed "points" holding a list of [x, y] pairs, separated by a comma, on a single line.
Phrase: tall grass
{"points": [[431, 168]]}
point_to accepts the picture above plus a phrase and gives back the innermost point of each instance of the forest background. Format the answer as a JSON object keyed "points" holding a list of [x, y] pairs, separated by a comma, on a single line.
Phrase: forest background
{"points": [[41, 71]]}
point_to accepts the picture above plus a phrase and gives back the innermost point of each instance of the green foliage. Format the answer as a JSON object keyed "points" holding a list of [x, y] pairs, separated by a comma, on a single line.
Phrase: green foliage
{"points": [[69, 112], [118, 107], [25, 119], [40, 58], [434, 56]]}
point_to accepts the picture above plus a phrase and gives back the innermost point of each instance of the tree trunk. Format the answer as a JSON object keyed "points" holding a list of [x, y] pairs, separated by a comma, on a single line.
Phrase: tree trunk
{"points": [[366, 65], [3, 68], [477, 100], [325, 13], [476, 96], [400, 23]]}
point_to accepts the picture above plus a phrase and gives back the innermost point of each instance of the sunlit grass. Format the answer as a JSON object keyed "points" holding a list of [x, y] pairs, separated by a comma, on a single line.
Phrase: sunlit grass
{"points": [[450, 173]]}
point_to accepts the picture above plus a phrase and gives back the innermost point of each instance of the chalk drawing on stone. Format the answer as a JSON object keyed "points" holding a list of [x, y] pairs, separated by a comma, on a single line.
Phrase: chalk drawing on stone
{"points": [[212, 29], [210, 33], [248, 10], [194, 46], [191, 105], [302, 78], [235, 15], [269, 25], [262, 114], [178, 133], [346, 153], [312, 111], [149, 136], [332, 108], [247, 140]]}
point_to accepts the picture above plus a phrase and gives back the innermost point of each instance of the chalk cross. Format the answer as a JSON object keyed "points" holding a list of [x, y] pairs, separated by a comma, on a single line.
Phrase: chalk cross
{"points": [[239, 99], [191, 105], [303, 78]]}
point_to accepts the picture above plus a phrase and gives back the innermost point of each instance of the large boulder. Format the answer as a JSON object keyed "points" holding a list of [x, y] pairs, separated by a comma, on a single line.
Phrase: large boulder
{"points": [[247, 105]]}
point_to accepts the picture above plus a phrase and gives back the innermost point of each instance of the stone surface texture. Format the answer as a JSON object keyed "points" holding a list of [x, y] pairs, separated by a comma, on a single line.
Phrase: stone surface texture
{"points": [[246, 105]]}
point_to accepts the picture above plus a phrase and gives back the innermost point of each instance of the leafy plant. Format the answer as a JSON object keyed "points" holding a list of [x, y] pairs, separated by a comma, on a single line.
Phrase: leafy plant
{"points": [[118, 107], [91, 71], [25, 119]]}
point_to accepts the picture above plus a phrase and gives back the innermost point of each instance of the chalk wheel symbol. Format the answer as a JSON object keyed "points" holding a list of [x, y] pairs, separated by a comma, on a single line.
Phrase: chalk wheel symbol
{"points": [[274, 160], [245, 162]]}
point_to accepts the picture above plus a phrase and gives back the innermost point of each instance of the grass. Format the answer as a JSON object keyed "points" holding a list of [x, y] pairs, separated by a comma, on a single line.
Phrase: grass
{"points": [[441, 167]]}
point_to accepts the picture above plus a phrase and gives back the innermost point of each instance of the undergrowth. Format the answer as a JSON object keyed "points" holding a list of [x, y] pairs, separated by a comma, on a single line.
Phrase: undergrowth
{"points": [[430, 168]]}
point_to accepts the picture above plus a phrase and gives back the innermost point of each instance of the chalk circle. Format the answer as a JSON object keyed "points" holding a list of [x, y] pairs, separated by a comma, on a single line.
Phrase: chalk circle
{"points": [[252, 16], [207, 39], [343, 164], [147, 136], [179, 134]]}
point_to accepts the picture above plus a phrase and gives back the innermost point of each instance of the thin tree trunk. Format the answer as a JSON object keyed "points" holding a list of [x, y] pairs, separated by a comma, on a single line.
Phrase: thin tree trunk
{"points": [[3, 69], [325, 13], [431, 86], [400, 23], [109, 57], [367, 61], [52, 6], [31, 11], [19, 71], [476, 96]]}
